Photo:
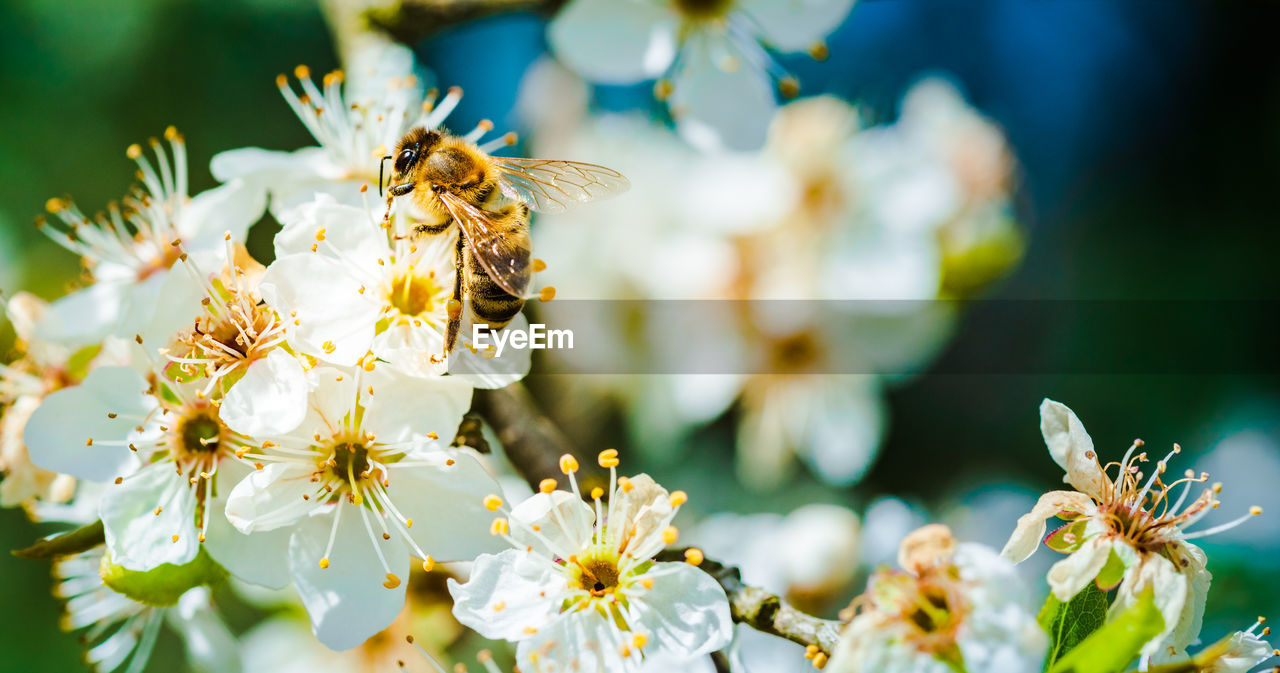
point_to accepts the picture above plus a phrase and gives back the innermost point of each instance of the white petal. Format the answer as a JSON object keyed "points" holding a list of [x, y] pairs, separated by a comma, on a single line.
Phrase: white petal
{"points": [[795, 25], [484, 368], [1072, 449], [138, 537], [718, 109], [261, 558], [351, 234], [347, 601], [1170, 589], [1030, 529], [1067, 577], [212, 214], [271, 399], [561, 519], [272, 497], [577, 641], [335, 321], [686, 611], [438, 404], [58, 433], [614, 42], [527, 586], [847, 424], [641, 512], [83, 317], [162, 306], [211, 647], [413, 350], [446, 503]]}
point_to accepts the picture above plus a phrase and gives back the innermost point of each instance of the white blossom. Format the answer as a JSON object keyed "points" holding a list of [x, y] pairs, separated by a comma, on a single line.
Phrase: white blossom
{"points": [[129, 250], [950, 607], [348, 485], [714, 55], [1127, 532], [581, 591]]}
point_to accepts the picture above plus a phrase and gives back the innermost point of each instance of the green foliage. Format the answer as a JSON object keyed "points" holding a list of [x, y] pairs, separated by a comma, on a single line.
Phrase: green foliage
{"points": [[165, 584], [1112, 647], [1071, 622]]}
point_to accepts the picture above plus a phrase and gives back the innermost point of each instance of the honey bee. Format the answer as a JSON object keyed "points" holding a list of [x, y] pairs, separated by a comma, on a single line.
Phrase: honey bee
{"points": [[451, 180]]}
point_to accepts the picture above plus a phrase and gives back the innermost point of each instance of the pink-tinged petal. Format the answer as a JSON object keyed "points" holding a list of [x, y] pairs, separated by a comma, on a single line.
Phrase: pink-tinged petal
{"points": [[614, 42], [334, 319], [85, 316], [438, 405], [271, 398], [686, 611], [796, 25], [564, 523], [59, 432], [349, 600], [526, 585], [718, 107], [261, 558], [1072, 449], [1067, 577], [446, 503], [272, 497], [149, 519], [1031, 526]]}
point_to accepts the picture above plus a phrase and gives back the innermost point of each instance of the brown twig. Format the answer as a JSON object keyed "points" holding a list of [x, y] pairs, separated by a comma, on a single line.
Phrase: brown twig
{"points": [[411, 20], [533, 444]]}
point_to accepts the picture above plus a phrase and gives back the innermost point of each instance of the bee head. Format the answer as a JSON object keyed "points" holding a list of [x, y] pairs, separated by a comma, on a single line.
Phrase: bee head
{"points": [[415, 145]]}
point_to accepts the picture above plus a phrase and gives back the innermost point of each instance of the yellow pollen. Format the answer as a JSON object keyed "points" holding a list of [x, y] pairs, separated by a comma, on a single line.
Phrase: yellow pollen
{"points": [[392, 581], [679, 498], [608, 458], [175, 538], [530, 630], [818, 51], [328, 347], [133, 151], [662, 89], [428, 564], [568, 464], [499, 606], [302, 72], [811, 651], [320, 234], [670, 534], [639, 640], [693, 556], [597, 493], [432, 435], [789, 87], [647, 582], [1255, 510], [492, 502], [499, 527], [547, 293], [625, 484], [282, 81], [538, 264], [408, 523], [820, 660], [547, 485]]}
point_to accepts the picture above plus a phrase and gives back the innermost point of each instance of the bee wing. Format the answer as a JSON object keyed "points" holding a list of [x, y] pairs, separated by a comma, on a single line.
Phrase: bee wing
{"points": [[499, 255], [553, 186]]}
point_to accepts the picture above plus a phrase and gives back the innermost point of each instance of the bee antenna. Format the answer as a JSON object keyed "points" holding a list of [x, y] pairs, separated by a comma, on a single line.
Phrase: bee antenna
{"points": [[381, 165]]}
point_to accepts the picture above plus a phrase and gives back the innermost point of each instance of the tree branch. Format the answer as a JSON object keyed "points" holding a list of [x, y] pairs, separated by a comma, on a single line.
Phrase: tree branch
{"points": [[534, 444], [408, 21]]}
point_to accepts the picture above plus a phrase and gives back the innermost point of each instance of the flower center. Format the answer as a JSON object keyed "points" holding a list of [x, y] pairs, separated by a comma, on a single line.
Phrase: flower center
{"points": [[598, 576], [199, 435], [795, 353], [414, 295], [350, 461], [162, 261], [701, 10]]}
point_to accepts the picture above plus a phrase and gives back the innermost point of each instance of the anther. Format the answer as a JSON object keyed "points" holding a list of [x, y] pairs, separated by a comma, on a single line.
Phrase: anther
{"points": [[302, 72], [539, 264], [547, 485], [499, 526], [694, 556], [428, 564], [597, 493], [679, 498], [670, 534], [568, 464], [818, 51], [608, 458], [492, 503], [547, 293], [392, 581]]}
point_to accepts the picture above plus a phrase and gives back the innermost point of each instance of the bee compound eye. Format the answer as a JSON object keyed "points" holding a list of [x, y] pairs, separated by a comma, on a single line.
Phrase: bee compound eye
{"points": [[405, 158]]}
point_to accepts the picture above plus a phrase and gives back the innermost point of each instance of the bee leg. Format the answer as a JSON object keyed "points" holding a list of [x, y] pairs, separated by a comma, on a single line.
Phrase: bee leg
{"points": [[454, 307]]}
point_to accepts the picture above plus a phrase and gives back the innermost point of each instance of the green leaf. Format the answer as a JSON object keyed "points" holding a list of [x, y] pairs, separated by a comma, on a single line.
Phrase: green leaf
{"points": [[1111, 648], [1112, 573], [1071, 622], [165, 584]]}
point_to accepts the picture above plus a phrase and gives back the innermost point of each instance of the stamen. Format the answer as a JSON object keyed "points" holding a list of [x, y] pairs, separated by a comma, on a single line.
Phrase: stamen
{"points": [[1253, 511]]}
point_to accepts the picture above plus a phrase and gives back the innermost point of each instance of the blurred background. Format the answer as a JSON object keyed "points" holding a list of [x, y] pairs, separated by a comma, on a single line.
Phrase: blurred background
{"points": [[1146, 136]]}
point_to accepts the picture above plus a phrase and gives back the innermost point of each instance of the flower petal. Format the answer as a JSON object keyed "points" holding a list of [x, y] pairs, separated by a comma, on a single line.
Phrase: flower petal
{"points": [[85, 316], [58, 433], [334, 320], [577, 641], [483, 367], [261, 558], [347, 601], [1067, 577], [446, 503], [271, 399], [715, 108], [527, 587], [149, 519], [796, 25], [561, 519], [686, 611], [227, 209], [1031, 526], [644, 511], [1072, 449], [272, 497], [614, 42], [1170, 588], [439, 404], [210, 644]]}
